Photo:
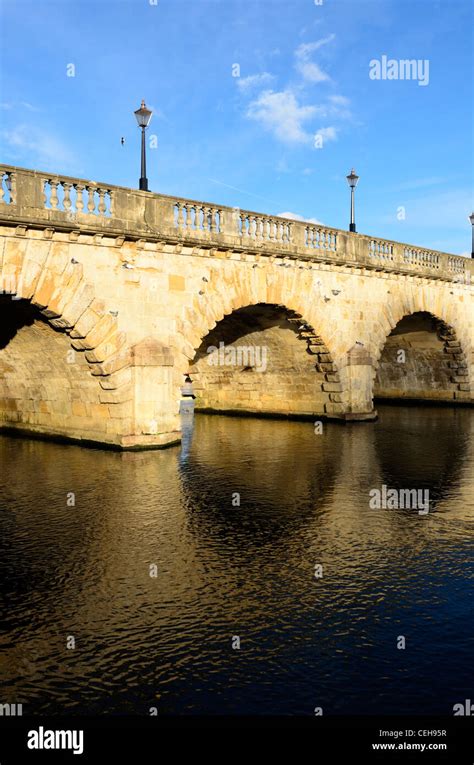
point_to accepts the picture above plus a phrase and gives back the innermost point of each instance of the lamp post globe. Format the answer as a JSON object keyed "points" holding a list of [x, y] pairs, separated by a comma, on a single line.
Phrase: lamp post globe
{"points": [[143, 116]]}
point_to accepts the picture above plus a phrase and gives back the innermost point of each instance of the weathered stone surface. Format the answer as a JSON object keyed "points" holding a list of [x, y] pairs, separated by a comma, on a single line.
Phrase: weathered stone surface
{"points": [[141, 309], [149, 352]]}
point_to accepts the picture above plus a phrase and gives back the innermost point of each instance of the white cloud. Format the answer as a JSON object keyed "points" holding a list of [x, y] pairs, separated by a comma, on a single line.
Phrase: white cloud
{"points": [[19, 105], [254, 80], [37, 148], [304, 50], [301, 218], [311, 71], [339, 100], [280, 113], [29, 106], [308, 69]]}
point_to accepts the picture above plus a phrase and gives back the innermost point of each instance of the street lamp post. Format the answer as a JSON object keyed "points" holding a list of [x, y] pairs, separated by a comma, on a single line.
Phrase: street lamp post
{"points": [[143, 116], [471, 218], [352, 180]]}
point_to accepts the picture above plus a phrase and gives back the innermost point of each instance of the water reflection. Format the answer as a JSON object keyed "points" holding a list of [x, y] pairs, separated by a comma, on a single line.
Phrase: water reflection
{"points": [[247, 570], [255, 481]]}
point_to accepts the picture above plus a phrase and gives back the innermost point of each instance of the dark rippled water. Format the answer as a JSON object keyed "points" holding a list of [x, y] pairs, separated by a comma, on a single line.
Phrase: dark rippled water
{"points": [[247, 571]]}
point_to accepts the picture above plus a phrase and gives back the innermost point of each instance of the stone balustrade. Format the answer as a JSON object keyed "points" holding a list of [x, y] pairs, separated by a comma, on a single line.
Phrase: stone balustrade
{"points": [[38, 199], [69, 197], [197, 217], [320, 238]]}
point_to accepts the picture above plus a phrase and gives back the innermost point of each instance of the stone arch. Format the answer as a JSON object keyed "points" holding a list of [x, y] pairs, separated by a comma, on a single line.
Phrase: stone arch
{"points": [[226, 288], [300, 380], [442, 361], [39, 273]]}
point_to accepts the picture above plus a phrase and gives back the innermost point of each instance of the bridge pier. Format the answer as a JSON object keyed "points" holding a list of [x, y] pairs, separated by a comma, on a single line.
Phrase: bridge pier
{"points": [[356, 374], [156, 421]]}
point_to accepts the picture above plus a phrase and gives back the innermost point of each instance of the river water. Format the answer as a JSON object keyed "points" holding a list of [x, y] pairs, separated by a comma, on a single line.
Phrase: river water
{"points": [[79, 570]]}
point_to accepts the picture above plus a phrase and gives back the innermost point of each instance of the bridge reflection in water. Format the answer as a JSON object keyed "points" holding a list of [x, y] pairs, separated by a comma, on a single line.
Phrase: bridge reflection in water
{"points": [[245, 570]]}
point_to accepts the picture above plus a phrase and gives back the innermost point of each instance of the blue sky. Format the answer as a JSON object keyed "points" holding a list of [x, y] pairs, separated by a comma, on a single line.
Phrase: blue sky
{"points": [[249, 140]]}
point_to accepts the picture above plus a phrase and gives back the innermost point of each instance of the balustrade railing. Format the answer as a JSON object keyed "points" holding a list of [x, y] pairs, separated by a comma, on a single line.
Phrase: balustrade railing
{"points": [[419, 257], [318, 238], [76, 197], [30, 196], [381, 250], [193, 216], [264, 228], [456, 264]]}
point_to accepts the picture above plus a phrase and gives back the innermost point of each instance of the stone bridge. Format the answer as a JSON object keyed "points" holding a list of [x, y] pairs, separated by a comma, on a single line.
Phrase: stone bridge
{"points": [[110, 296]]}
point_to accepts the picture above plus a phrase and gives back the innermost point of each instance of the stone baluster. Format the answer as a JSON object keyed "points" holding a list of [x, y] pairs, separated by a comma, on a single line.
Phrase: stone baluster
{"points": [[189, 217], [197, 217], [67, 195], [111, 202], [79, 196], [290, 231], [43, 193], [54, 195], [90, 199], [212, 220], [2, 192], [102, 208], [221, 221], [180, 220]]}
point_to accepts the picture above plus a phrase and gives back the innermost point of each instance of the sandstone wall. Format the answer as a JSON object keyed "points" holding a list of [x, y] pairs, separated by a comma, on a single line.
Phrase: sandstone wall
{"points": [[138, 312]]}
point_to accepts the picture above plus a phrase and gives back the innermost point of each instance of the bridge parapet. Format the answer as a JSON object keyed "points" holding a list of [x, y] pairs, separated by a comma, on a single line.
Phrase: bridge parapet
{"points": [[37, 199]]}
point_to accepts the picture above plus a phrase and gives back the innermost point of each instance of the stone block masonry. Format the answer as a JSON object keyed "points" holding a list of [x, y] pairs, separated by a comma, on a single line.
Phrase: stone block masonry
{"points": [[110, 296]]}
